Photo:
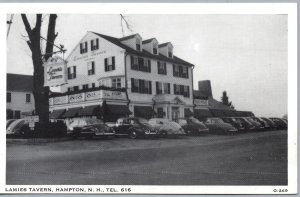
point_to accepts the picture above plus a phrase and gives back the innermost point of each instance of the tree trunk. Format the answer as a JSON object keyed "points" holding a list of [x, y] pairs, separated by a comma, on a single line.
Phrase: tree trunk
{"points": [[40, 92]]}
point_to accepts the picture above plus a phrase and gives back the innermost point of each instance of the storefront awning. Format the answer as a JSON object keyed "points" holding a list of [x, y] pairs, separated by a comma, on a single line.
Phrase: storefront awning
{"points": [[188, 112], [118, 109], [56, 114], [202, 113], [72, 112], [93, 110], [143, 112]]}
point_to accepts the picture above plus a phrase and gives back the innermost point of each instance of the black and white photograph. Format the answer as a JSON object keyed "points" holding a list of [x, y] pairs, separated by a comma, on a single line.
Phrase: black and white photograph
{"points": [[106, 102]]}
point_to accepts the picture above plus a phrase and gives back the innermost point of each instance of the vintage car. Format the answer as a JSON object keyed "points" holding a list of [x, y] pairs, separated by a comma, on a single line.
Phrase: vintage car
{"points": [[280, 123], [272, 124], [134, 127], [166, 127], [246, 124], [258, 126], [218, 126], [9, 121], [234, 122], [264, 123], [89, 127], [15, 127], [192, 126]]}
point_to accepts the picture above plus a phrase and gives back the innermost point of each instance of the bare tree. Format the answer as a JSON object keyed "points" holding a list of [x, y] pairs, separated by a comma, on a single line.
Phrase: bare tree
{"points": [[40, 92]]}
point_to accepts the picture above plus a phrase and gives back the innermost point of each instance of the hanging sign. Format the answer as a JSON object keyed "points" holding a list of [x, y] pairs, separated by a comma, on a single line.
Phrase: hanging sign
{"points": [[55, 72]]}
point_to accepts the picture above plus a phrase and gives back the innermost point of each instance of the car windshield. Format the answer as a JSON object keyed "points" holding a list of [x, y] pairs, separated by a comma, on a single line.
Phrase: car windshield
{"points": [[217, 120], [195, 120], [93, 121]]}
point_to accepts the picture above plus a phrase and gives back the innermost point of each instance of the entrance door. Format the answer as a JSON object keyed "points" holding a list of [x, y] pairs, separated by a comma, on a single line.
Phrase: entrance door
{"points": [[175, 113]]}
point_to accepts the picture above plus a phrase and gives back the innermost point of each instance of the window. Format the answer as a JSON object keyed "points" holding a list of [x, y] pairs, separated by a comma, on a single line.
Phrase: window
{"points": [[141, 86], [141, 64], [72, 72], [167, 88], [162, 88], [27, 98], [93, 85], [180, 71], [85, 86], [159, 89], [91, 68], [155, 46], [116, 83], [160, 112], [83, 47], [138, 44], [170, 52], [17, 114], [161, 68], [182, 90], [75, 88], [109, 63], [8, 97], [70, 89], [94, 44]]}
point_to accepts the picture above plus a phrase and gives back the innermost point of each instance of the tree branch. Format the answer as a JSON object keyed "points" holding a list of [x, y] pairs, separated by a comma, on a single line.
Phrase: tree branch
{"points": [[26, 24], [38, 21]]}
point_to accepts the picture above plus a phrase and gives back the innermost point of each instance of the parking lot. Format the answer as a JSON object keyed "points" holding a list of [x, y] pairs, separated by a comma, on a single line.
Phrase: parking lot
{"points": [[256, 158]]}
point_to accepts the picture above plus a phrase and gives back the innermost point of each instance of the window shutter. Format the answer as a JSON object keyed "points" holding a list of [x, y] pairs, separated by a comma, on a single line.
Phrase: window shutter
{"points": [[74, 71], [69, 70], [157, 88], [174, 70], [187, 72], [169, 88], [93, 67], [150, 87], [92, 44], [113, 63], [105, 64], [97, 43], [174, 86], [132, 85], [165, 67], [86, 46], [132, 61], [149, 66], [188, 91]]}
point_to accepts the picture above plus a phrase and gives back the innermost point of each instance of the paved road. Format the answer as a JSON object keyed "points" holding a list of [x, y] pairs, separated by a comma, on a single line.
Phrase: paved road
{"points": [[246, 159]]}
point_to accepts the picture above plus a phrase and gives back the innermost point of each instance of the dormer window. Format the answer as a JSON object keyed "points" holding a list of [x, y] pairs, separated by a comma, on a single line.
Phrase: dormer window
{"points": [[155, 46], [170, 52], [138, 44]]}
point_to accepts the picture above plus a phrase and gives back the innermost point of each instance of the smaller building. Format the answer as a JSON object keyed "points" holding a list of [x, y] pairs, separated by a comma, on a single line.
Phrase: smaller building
{"points": [[207, 106], [19, 96]]}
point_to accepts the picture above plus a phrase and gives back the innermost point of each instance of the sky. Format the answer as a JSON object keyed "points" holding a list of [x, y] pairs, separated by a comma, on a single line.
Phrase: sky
{"points": [[246, 55]]}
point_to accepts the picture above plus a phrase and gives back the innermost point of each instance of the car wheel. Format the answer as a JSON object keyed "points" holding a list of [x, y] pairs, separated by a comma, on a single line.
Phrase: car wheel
{"points": [[133, 134]]}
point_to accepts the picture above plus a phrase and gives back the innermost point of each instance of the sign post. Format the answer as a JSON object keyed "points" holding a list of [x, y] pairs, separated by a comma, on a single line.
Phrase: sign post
{"points": [[31, 120], [55, 71]]}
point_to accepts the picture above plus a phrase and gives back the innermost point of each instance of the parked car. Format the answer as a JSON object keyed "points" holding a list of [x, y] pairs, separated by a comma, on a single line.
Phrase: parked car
{"points": [[9, 121], [15, 128], [264, 123], [272, 124], [258, 126], [218, 126], [234, 122], [280, 123], [166, 127], [246, 124], [192, 126], [134, 127], [90, 127]]}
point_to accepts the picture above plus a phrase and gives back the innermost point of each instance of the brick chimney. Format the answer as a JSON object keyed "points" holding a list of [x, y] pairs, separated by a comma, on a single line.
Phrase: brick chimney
{"points": [[205, 88]]}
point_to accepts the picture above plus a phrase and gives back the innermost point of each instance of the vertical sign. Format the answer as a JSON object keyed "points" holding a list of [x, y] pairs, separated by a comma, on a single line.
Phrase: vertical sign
{"points": [[55, 71]]}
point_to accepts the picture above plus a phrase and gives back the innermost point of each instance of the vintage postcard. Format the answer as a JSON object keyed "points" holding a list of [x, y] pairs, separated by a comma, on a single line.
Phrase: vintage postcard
{"points": [[149, 98]]}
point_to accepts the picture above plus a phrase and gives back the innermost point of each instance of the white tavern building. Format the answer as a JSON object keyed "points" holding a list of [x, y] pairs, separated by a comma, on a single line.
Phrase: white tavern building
{"points": [[114, 77]]}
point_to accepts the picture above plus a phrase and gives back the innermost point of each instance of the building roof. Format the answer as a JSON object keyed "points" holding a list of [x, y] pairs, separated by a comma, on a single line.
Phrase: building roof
{"points": [[16, 82], [214, 104], [199, 94], [163, 44], [143, 53], [128, 37], [148, 40]]}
